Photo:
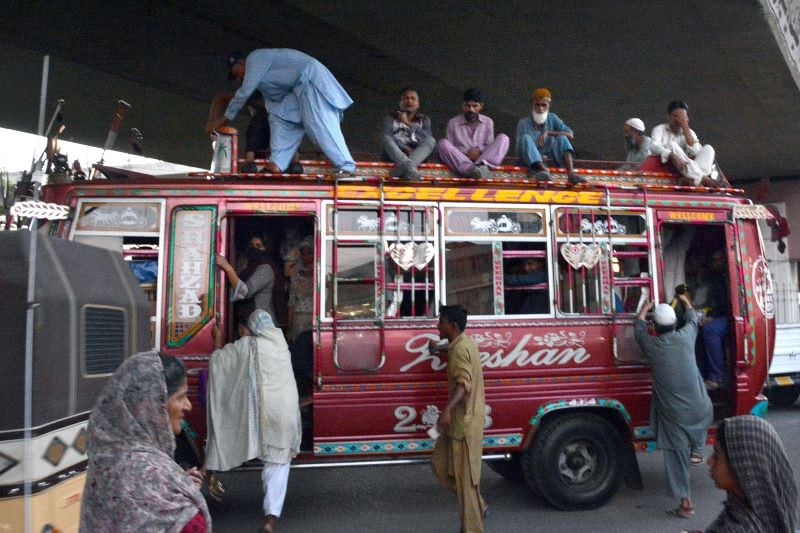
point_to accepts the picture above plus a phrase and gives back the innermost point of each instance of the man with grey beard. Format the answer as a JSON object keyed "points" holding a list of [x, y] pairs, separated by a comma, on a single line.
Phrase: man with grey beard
{"points": [[543, 134], [636, 143]]}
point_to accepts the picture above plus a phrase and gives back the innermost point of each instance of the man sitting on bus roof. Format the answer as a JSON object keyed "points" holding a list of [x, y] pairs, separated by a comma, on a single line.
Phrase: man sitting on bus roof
{"points": [[677, 143], [407, 139], [471, 148], [301, 96], [636, 142], [545, 134]]}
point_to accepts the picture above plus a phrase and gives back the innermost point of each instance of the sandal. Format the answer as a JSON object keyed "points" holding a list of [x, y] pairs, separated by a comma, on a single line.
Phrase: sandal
{"points": [[697, 459], [681, 512], [215, 488]]}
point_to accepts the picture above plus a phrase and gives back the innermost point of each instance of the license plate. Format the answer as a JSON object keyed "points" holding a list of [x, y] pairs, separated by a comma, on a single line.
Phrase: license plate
{"points": [[784, 381]]}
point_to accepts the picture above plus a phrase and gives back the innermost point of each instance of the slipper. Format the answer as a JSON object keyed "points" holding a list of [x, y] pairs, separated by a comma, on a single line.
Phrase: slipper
{"points": [[681, 512], [697, 459], [215, 488]]}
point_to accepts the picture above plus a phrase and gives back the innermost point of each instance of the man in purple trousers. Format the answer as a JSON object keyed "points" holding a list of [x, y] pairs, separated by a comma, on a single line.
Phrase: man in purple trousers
{"points": [[471, 148]]}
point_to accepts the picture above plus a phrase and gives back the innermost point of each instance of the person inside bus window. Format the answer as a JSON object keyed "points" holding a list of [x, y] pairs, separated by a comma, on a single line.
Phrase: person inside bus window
{"points": [[253, 410], [132, 477], [680, 410], [471, 148], [712, 294], [531, 271], [406, 139], [260, 281], [750, 464], [544, 134]]}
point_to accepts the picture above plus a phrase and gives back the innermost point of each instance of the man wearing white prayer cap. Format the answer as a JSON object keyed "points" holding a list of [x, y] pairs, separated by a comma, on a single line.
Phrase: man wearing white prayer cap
{"points": [[680, 410], [637, 143]]}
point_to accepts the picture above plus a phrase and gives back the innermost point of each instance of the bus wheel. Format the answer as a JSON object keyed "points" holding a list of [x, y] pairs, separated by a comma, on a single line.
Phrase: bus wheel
{"points": [[573, 462], [510, 469], [783, 396]]}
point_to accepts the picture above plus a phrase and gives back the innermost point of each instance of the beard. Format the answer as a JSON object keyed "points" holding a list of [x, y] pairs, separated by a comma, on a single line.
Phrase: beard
{"points": [[471, 116], [629, 145], [539, 118]]}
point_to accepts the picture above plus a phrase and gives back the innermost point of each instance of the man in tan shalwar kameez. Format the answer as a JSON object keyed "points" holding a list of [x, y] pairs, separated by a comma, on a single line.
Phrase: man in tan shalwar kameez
{"points": [[456, 458]]}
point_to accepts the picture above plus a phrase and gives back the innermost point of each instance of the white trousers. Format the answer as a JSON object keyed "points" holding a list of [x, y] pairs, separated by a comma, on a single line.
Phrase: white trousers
{"points": [[275, 478], [698, 167]]}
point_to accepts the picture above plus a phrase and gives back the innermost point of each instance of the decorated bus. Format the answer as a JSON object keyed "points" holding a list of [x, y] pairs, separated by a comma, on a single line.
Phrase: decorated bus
{"points": [[567, 390]]}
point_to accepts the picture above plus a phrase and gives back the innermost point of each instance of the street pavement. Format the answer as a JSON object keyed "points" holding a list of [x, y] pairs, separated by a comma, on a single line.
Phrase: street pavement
{"points": [[407, 499]]}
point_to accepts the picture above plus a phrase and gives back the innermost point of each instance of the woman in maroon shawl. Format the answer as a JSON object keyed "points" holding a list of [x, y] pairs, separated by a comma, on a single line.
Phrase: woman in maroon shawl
{"points": [[133, 482]]}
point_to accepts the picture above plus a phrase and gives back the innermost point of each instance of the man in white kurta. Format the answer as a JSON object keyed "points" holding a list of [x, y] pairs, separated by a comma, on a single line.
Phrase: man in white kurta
{"points": [[253, 410], [677, 143]]}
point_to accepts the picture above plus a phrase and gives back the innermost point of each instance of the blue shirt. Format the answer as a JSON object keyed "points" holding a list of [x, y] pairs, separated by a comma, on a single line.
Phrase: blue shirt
{"points": [[526, 127], [282, 76]]}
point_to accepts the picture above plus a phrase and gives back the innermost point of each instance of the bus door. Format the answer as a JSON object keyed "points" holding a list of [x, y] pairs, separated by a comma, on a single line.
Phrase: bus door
{"points": [[253, 233], [756, 292], [698, 252]]}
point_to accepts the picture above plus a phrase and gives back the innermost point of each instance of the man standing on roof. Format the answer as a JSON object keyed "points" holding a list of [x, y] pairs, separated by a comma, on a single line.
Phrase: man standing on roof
{"points": [[471, 148], [677, 143], [301, 96], [406, 139], [636, 142], [543, 134]]}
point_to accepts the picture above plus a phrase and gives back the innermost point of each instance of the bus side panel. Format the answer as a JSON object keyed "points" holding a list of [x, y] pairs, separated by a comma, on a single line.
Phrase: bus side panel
{"points": [[525, 368]]}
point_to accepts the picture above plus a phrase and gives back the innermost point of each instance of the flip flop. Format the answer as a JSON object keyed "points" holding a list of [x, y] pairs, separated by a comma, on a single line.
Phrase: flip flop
{"points": [[215, 488], [681, 512], [697, 459]]}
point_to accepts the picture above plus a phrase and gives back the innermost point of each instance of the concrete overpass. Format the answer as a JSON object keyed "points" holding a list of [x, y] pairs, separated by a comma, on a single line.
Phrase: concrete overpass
{"points": [[604, 61]]}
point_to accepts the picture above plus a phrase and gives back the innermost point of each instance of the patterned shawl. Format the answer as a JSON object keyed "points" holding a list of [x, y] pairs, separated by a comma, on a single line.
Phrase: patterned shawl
{"points": [[133, 483], [757, 458]]}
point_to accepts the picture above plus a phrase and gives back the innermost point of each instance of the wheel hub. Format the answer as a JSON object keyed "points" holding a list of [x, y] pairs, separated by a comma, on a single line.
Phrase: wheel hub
{"points": [[577, 462]]}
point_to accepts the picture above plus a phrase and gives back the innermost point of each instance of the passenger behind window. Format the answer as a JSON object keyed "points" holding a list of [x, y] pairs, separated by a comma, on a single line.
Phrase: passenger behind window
{"points": [[525, 275]]}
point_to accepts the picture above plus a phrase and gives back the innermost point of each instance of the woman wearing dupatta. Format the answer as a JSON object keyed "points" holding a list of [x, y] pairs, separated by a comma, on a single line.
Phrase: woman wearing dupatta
{"points": [[253, 410], [750, 463], [133, 482]]}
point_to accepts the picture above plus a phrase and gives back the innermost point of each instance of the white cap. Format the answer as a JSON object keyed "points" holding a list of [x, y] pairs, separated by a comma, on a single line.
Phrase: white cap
{"points": [[664, 315], [635, 123]]}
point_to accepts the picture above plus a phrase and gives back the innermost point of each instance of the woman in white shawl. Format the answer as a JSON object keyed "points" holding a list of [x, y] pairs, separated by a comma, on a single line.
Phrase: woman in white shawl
{"points": [[253, 408]]}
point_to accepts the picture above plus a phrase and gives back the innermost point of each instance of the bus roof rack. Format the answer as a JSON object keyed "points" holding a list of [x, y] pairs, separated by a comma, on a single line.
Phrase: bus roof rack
{"points": [[605, 174]]}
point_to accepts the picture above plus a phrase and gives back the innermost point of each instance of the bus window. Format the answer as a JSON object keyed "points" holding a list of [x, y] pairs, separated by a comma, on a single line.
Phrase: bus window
{"points": [[355, 278], [469, 277], [133, 229], [631, 272], [525, 278]]}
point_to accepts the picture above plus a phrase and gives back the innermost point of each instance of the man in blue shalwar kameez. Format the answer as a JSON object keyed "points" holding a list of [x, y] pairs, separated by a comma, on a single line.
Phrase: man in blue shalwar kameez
{"points": [[301, 96], [681, 410]]}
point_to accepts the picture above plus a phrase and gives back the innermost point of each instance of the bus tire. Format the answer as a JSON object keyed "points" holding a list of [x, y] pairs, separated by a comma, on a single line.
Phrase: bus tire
{"points": [[574, 462], [783, 396], [511, 469]]}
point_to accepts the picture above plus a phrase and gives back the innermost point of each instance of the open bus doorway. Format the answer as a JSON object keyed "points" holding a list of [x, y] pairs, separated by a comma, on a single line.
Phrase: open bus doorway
{"points": [[696, 258], [285, 244]]}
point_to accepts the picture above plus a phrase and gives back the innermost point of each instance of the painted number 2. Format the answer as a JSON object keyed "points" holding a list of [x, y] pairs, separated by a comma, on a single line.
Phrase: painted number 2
{"points": [[407, 418]]}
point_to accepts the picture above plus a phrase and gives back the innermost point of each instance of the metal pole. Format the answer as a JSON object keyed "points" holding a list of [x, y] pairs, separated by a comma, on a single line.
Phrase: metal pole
{"points": [[28, 390], [43, 95]]}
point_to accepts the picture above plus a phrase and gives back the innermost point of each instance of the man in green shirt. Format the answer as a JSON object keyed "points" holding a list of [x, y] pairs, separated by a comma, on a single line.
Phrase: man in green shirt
{"points": [[456, 457]]}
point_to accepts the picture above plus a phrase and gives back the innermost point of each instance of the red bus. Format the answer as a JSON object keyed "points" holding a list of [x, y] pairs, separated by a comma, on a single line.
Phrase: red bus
{"points": [[567, 391]]}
